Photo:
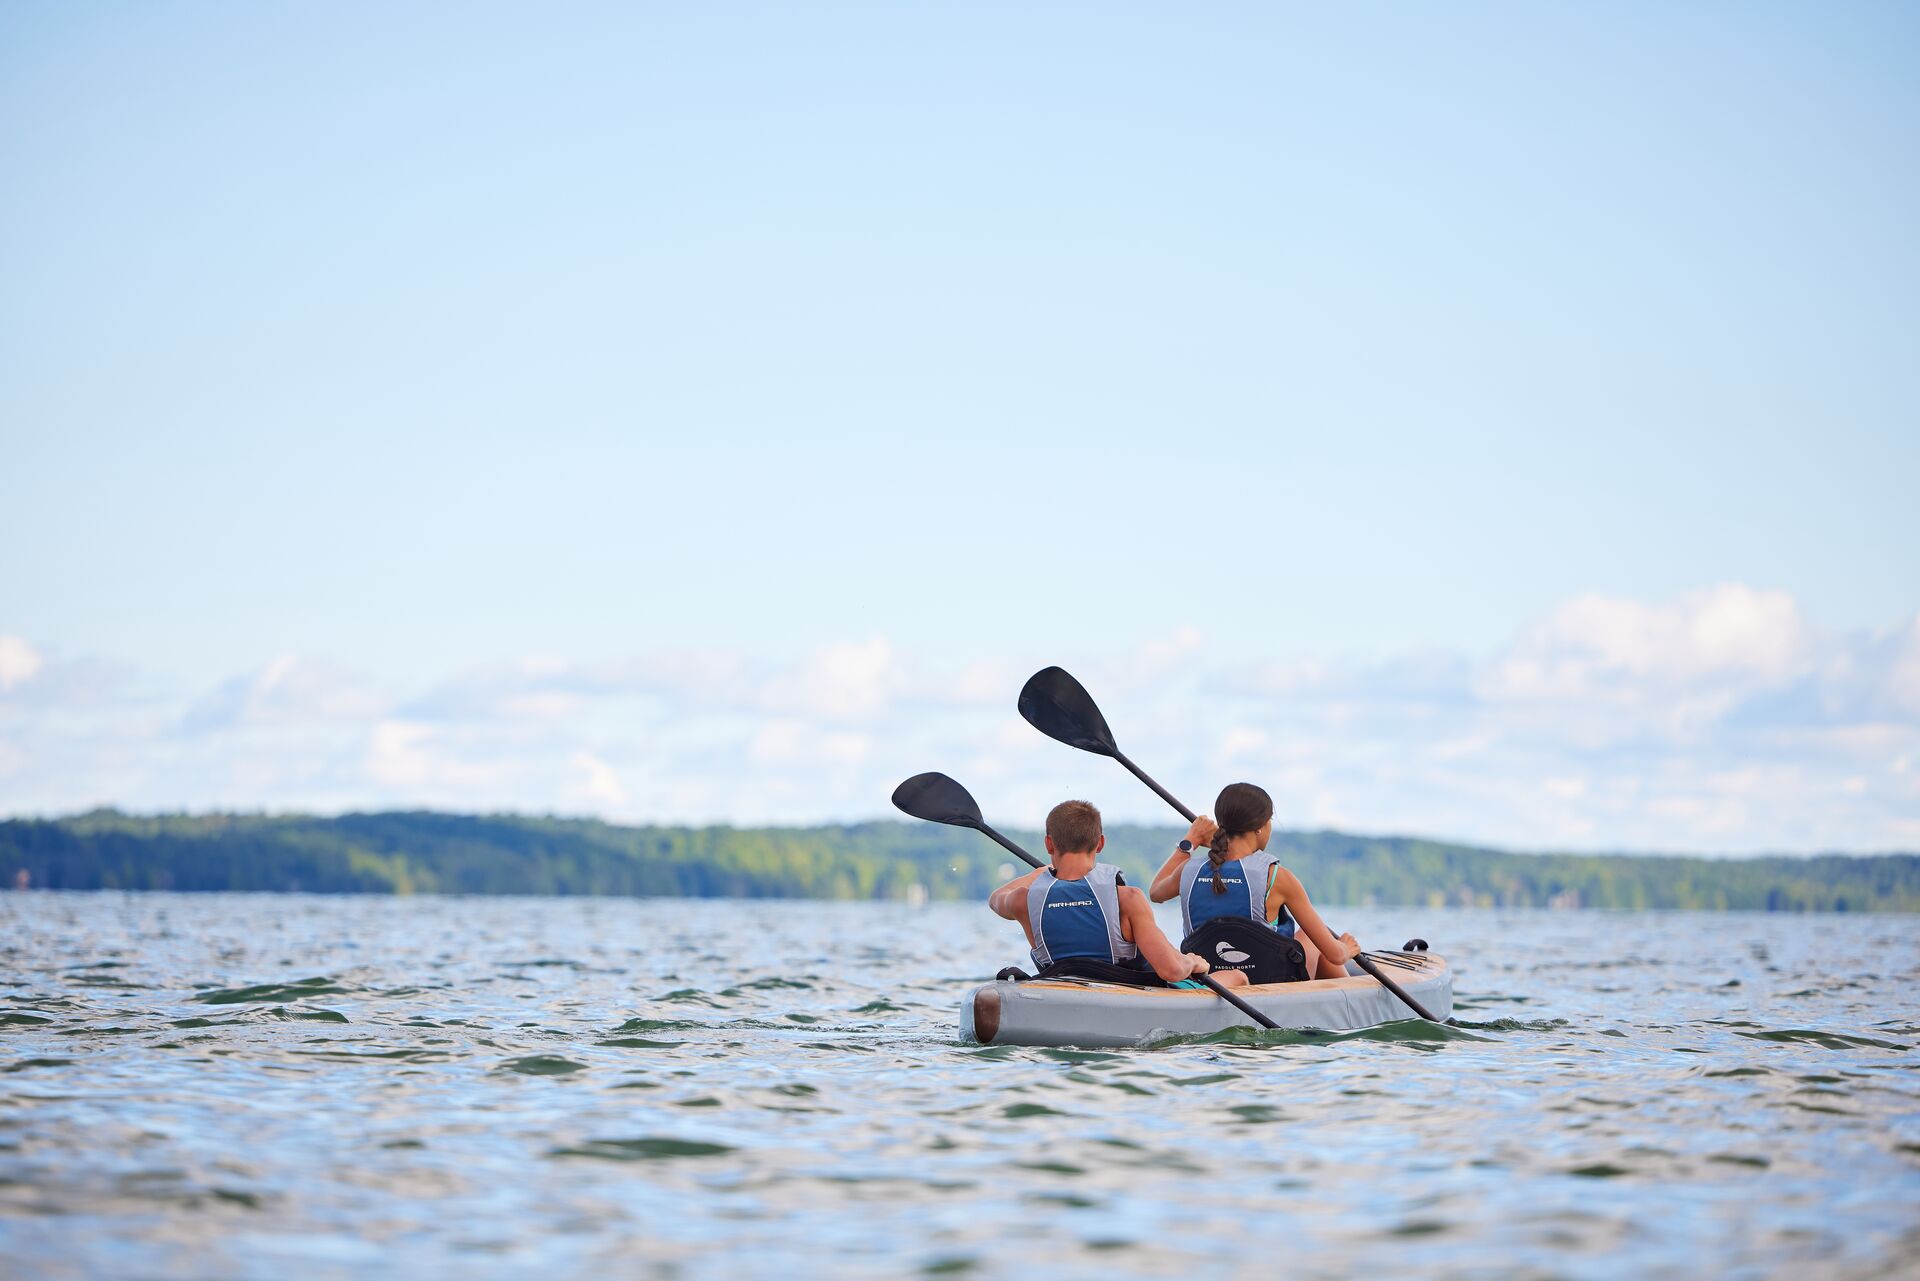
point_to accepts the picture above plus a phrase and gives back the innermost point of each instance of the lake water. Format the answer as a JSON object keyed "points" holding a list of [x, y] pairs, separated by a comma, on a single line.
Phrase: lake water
{"points": [[293, 1086]]}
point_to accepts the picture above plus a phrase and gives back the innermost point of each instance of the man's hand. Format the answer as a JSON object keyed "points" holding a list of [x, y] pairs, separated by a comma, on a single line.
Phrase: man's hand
{"points": [[1199, 964], [1202, 830]]}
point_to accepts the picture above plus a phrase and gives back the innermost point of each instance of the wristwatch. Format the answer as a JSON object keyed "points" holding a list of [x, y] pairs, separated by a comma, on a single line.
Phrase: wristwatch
{"points": [[1185, 846]]}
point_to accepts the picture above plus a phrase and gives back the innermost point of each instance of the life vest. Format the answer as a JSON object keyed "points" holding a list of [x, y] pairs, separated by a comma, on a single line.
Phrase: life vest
{"points": [[1078, 918], [1245, 880]]}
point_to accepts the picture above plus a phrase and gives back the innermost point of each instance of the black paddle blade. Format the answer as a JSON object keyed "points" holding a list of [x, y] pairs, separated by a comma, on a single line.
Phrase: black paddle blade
{"points": [[938, 799], [1060, 707]]}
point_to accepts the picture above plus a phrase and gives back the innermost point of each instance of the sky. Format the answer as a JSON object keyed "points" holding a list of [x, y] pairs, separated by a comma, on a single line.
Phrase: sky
{"points": [[1495, 422]]}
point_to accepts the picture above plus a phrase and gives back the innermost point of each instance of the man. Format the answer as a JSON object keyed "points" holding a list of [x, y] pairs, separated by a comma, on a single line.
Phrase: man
{"points": [[1084, 921]]}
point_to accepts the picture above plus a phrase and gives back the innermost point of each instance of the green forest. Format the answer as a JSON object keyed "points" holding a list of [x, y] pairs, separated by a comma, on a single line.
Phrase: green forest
{"points": [[419, 852]]}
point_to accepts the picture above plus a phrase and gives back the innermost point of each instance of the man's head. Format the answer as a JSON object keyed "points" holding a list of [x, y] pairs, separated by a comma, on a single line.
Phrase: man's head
{"points": [[1073, 827]]}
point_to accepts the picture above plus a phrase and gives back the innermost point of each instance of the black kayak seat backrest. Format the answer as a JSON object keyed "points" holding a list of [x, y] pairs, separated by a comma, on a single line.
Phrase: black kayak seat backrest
{"points": [[1244, 944]]}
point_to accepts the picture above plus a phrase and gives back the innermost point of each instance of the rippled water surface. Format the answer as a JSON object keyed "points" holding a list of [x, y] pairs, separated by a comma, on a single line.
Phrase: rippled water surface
{"points": [[267, 1085]]}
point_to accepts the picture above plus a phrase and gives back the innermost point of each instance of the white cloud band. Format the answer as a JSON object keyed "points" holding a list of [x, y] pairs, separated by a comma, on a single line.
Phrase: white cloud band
{"points": [[1722, 721]]}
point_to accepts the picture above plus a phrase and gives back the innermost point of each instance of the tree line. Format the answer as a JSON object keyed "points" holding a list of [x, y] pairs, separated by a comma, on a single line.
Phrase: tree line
{"points": [[423, 852]]}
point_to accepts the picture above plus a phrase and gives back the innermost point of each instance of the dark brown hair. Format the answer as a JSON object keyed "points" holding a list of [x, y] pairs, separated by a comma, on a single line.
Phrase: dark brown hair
{"points": [[1073, 827], [1240, 807]]}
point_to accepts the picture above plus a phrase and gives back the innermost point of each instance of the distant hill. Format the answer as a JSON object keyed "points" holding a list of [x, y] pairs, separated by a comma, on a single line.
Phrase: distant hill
{"points": [[419, 852]]}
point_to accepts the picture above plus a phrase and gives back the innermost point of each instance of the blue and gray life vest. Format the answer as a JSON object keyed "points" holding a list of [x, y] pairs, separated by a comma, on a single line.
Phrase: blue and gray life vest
{"points": [[1245, 880], [1078, 918]]}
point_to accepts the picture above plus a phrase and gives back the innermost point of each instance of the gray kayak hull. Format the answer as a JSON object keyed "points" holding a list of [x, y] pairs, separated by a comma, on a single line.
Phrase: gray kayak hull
{"points": [[1081, 1013]]}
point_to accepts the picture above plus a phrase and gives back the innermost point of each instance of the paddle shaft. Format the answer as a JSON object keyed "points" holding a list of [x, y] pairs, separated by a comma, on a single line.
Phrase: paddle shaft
{"points": [[1213, 985], [1208, 979], [988, 831], [1162, 792], [1360, 959]]}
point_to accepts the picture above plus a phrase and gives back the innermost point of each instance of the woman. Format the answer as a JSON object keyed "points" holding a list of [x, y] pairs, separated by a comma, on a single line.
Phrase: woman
{"points": [[1237, 877]]}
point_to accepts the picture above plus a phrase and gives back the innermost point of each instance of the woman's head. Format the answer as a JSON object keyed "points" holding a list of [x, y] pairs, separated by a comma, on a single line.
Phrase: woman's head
{"points": [[1240, 808]]}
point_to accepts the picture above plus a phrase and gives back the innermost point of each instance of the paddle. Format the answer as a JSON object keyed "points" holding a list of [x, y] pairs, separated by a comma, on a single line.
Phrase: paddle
{"points": [[1059, 706], [939, 799]]}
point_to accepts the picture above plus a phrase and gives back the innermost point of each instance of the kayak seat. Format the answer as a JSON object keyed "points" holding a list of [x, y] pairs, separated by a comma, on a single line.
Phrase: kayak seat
{"points": [[1255, 949]]}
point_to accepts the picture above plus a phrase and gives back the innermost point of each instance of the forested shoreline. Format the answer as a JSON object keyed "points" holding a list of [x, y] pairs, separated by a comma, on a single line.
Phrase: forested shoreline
{"points": [[423, 852]]}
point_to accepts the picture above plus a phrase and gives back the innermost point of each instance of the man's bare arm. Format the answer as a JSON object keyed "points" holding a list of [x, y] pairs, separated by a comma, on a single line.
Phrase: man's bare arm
{"points": [[1168, 961], [1010, 900]]}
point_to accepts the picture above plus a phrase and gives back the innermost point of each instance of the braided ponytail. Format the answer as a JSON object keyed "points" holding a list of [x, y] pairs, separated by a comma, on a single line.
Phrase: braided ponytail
{"points": [[1240, 808]]}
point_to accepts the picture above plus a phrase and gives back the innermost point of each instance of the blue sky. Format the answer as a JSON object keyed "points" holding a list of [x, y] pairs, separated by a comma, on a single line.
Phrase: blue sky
{"points": [[698, 413]]}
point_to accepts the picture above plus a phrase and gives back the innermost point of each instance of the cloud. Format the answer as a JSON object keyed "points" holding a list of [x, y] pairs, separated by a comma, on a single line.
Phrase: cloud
{"points": [[1721, 719], [289, 690], [598, 784], [1718, 720], [548, 688], [424, 762], [1903, 676], [1601, 647], [844, 682], [19, 662], [34, 680], [792, 742]]}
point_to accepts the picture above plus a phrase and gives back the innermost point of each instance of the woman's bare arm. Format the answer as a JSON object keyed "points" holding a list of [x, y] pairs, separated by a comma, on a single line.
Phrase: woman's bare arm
{"points": [[1166, 881], [1288, 890]]}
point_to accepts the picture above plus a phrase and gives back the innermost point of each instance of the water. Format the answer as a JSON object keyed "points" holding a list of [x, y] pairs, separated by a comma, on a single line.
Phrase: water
{"points": [[291, 1086]]}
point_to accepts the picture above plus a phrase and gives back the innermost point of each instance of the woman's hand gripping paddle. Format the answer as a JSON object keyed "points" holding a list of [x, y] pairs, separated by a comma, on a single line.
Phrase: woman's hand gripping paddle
{"points": [[1059, 706], [938, 799]]}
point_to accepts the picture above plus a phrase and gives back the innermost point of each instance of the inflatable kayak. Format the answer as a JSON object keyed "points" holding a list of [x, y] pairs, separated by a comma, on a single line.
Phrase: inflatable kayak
{"points": [[1084, 1013]]}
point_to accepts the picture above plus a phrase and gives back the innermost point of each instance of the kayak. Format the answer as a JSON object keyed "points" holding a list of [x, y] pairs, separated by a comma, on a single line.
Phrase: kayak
{"points": [[1085, 1013]]}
